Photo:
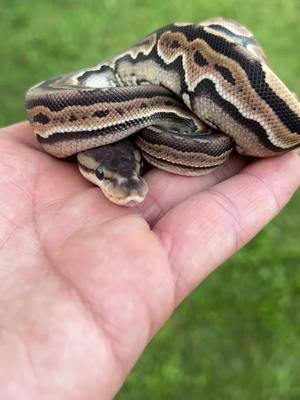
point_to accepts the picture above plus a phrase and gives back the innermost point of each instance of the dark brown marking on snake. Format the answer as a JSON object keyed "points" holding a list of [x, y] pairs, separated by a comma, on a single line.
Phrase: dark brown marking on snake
{"points": [[101, 113], [175, 44], [41, 118], [73, 118], [199, 59], [77, 97], [226, 73], [183, 167], [207, 88], [244, 40], [190, 143], [156, 118], [252, 67], [120, 111]]}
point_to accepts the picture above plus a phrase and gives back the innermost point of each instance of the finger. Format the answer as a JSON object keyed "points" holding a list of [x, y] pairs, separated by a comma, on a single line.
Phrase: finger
{"points": [[167, 190], [21, 133], [203, 231]]}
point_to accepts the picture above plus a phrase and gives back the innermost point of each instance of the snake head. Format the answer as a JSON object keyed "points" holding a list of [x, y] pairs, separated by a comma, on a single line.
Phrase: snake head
{"points": [[119, 187], [115, 169]]}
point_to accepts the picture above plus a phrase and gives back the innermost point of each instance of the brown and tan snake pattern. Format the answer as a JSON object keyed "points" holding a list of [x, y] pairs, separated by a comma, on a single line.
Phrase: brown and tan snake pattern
{"points": [[184, 97]]}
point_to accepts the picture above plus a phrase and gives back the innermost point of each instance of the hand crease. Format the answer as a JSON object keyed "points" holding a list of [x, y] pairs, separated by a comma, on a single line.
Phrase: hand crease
{"points": [[169, 250], [15, 226], [28, 356], [225, 203]]}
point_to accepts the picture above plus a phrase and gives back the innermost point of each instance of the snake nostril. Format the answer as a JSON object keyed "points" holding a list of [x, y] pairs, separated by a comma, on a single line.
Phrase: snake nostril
{"points": [[133, 185]]}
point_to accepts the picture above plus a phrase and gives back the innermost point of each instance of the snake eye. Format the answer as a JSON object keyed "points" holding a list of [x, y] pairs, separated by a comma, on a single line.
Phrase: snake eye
{"points": [[99, 173]]}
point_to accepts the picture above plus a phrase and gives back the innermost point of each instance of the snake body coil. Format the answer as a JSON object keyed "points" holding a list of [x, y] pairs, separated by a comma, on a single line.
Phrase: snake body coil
{"points": [[188, 94]]}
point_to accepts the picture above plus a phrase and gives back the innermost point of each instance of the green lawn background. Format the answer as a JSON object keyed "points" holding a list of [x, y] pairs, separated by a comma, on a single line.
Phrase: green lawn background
{"points": [[238, 335]]}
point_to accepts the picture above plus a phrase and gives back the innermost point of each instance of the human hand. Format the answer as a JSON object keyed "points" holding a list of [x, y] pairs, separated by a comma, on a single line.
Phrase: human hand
{"points": [[86, 284]]}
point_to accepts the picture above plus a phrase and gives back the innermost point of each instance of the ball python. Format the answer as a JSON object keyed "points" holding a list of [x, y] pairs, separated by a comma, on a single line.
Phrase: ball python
{"points": [[182, 98]]}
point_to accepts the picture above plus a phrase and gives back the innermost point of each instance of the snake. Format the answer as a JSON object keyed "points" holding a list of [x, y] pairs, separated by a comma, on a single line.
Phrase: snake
{"points": [[183, 99]]}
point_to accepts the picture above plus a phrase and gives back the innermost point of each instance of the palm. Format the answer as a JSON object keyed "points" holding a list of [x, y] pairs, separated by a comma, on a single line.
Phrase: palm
{"points": [[86, 284]]}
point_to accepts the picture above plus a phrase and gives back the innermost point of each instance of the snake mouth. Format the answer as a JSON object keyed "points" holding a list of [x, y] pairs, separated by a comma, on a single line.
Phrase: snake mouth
{"points": [[127, 193]]}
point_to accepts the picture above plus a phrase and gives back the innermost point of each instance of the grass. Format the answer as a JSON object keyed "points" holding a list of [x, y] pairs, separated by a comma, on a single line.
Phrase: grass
{"points": [[238, 335]]}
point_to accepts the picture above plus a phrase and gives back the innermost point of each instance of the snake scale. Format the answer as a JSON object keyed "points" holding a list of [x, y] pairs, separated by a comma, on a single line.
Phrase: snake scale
{"points": [[183, 98]]}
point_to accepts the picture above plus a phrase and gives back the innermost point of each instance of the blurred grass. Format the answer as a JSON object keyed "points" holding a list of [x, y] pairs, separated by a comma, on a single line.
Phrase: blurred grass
{"points": [[238, 335]]}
